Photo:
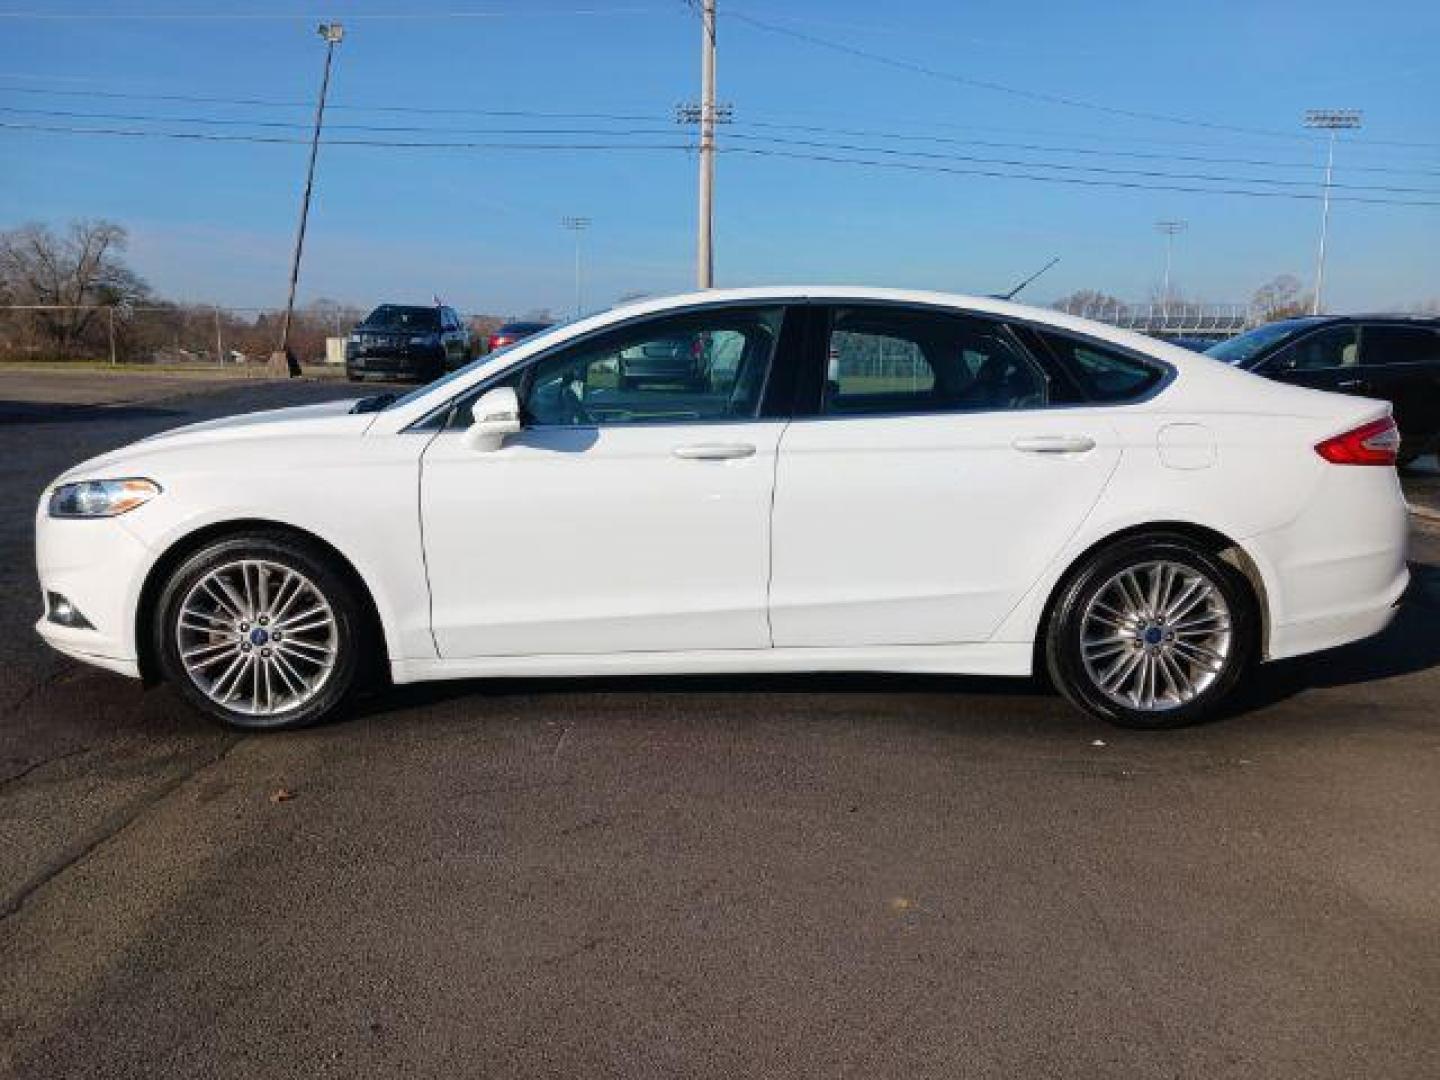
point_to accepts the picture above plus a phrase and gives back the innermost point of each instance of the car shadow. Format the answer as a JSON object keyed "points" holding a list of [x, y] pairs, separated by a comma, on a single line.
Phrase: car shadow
{"points": [[1410, 644], [60, 412]]}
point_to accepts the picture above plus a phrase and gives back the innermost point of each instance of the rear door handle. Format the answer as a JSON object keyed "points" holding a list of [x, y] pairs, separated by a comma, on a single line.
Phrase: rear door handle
{"points": [[714, 451], [1054, 444], [1353, 384]]}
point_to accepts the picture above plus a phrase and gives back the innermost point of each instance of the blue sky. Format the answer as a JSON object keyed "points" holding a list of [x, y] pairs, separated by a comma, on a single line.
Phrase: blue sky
{"points": [[213, 221]]}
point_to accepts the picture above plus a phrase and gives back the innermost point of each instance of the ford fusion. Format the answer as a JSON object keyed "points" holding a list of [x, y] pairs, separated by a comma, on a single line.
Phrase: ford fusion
{"points": [[844, 480]]}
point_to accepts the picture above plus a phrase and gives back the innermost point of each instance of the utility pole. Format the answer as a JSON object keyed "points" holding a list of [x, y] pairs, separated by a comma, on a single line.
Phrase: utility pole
{"points": [[1170, 229], [577, 225], [1331, 120], [704, 241], [282, 361]]}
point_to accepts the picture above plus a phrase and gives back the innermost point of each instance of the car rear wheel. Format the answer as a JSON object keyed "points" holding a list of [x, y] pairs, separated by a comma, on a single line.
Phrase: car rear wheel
{"points": [[260, 632], [1154, 632]]}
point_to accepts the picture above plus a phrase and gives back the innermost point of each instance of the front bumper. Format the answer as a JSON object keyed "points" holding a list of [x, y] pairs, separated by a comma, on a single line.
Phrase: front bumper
{"points": [[98, 566], [415, 362]]}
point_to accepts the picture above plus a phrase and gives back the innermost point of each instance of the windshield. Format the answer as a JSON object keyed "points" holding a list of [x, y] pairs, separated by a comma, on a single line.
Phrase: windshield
{"points": [[398, 317], [477, 364], [1244, 348]]}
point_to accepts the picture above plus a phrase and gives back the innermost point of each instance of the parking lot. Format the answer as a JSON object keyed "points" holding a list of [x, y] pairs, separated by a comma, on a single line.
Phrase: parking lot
{"points": [[762, 876]]}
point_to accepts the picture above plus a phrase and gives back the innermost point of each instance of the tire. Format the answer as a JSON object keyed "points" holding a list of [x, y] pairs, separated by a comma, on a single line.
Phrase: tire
{"points": [[246, 678], [1182, 669]]}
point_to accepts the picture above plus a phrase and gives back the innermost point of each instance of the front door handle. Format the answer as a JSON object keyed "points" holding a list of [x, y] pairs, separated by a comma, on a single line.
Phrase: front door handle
{"points": [[714, 451], [1054, 444]]}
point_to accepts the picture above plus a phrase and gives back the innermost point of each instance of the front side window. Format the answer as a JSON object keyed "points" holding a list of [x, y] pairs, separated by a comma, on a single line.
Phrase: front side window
{"points": [[686, 368], [897, 361], [1333, 347]]}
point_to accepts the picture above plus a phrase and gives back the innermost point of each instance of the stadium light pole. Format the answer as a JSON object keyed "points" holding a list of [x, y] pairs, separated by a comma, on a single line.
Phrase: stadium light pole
{"points": [[1170, 229], [577, 225], [1331, 120], [283, 361]]}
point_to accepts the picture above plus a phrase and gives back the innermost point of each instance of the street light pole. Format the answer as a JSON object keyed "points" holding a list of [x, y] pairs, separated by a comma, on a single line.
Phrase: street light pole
{"points": [[1331, 120], [283, 361], [577, 225], [1170, 229]]}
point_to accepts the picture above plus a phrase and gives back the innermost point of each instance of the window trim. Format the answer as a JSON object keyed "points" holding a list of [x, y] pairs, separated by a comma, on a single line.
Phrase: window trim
{"points": [[438, 420]]}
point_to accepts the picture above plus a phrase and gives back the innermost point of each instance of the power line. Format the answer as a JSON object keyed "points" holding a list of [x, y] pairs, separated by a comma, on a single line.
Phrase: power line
{"points": [[812, 144], [1070, 167], [209, 136], [651, 117], [1073, 180], [201, 99], [916, 68], [286, 16], [807, 144], [297, 126], [1145, 155], [909, 166]]}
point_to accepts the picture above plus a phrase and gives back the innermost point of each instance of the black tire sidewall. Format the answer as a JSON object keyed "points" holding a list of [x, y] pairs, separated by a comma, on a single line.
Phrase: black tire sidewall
{"points": [[1063, 654], [299, 556]]}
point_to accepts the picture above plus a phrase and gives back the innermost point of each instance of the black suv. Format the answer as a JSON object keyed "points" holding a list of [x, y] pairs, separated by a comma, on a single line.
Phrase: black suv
{"points": [[1392, 357], [399, 341]]}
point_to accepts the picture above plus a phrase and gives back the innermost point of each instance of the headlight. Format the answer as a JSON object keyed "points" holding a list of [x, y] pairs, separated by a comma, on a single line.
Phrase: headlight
{"points": [[424, 339], [101, 498]]}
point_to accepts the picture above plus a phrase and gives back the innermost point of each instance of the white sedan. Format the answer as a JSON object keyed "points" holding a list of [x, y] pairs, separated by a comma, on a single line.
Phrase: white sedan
{"points": [[855, 480]]}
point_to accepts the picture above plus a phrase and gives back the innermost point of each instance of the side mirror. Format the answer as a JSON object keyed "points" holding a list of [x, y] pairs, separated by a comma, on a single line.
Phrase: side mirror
{"points": [[497, 414]]}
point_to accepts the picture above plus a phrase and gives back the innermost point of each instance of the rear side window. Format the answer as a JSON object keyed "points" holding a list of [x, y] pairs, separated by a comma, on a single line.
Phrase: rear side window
{"points": [[1103, 374], [883, 360], [1400, 345]]}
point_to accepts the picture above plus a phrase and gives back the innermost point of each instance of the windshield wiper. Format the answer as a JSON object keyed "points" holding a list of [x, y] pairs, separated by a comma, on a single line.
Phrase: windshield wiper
{"points": [[375, 403]]}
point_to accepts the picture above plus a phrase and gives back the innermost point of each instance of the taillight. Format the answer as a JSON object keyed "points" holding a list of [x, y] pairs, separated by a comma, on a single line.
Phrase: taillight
{"points": [[499, 341], [1375, 443]]}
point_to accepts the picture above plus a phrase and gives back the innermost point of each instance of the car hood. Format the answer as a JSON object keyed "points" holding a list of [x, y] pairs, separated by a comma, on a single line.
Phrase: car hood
{"points": [[330, 418]]}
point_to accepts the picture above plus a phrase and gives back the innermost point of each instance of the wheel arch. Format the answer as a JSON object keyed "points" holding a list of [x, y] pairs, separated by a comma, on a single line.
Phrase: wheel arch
{"points": [[185, 546], [1209, 538]]}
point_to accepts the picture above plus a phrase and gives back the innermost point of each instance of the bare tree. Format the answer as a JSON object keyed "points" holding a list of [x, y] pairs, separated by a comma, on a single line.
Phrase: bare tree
{"points": [[1281, 297], [1089, 302], [73, 272]]}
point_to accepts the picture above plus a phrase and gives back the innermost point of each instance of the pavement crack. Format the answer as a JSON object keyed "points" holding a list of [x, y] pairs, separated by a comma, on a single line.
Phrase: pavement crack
{"points": [[42, 763], [113, 828]]}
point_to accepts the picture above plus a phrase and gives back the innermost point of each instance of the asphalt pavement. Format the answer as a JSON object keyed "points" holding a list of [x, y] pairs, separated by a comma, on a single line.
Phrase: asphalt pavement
{"points": [[719, 877]]}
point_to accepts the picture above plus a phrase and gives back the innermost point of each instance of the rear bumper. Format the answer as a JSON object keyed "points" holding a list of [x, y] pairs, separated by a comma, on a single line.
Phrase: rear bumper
{"points": [[1335, 573]]}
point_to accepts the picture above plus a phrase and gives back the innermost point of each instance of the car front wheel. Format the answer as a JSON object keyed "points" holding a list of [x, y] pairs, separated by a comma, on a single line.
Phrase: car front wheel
{"points": [[1154, 632], [260, 632]]}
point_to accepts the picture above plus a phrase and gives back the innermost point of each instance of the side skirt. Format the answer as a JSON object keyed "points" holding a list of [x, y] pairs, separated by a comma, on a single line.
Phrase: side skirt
{"points": [[986, 658]]}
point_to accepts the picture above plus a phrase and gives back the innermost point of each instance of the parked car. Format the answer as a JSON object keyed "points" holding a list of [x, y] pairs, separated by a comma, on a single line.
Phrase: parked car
{"points": [[677, 360], [1392, 357], [510, 333], [401, 341], [874, 480], [1194, 344]]}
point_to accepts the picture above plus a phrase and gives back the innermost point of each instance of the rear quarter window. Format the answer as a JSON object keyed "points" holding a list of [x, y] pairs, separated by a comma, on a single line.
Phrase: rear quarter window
{"points": [[1104, 374]]}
